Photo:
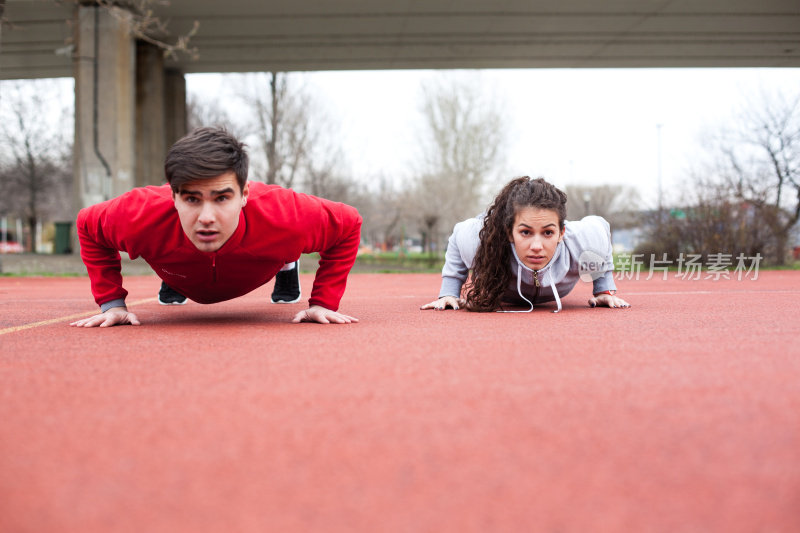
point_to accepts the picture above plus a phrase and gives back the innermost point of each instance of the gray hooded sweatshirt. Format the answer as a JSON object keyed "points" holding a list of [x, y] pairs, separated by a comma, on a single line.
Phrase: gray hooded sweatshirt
{"points": [[584, 253]]}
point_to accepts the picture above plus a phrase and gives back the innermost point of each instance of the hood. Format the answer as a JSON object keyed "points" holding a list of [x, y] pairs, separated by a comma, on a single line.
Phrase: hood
{"points": [[538, 277]]}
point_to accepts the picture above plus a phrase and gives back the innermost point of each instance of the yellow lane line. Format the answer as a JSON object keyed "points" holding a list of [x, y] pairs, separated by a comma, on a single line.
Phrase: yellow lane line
{"points": [[63, 318]]}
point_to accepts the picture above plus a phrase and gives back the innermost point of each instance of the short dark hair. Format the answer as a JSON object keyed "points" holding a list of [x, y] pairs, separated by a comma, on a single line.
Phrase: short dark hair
{"points": [[205, 153]]}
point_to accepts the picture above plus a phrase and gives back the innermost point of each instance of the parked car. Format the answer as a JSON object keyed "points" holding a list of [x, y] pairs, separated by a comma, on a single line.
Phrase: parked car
{"points": [[9, 244]]}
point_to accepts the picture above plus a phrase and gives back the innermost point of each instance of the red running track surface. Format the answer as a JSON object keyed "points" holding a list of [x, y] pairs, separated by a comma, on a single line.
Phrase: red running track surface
{"points": [[679, 414]]}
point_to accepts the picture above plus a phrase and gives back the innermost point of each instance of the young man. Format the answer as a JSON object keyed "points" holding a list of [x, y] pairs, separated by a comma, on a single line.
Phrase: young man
{"points": [[212, 236]]}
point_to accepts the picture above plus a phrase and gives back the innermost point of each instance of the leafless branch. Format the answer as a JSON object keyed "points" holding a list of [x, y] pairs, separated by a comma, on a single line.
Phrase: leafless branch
{"points": [[145, 25]]}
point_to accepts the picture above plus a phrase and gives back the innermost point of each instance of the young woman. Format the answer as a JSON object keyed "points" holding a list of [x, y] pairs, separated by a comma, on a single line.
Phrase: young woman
{"points": [[523, 252]]}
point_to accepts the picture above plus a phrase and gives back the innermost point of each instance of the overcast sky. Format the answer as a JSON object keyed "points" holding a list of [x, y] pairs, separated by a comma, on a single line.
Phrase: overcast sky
{"points": [[570, 126], [576, 126]]}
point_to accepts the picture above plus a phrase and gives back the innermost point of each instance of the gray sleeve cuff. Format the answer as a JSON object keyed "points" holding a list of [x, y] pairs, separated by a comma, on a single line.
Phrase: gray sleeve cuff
{"points": [[119, 302], [606, 283], [450, 287]]}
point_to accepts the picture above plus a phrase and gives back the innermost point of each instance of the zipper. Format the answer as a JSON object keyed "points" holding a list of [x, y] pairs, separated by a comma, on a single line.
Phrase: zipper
{"points": [[536, 282], [214, 268]]}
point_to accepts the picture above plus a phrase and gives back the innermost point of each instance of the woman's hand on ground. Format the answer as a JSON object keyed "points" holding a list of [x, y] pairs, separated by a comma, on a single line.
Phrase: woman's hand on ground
{"points": [[445, 302], [608, 300]]}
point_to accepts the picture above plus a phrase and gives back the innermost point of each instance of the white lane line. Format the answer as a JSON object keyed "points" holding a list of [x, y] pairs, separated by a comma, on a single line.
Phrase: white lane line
{"points": [[712, 292], [63, 318]]}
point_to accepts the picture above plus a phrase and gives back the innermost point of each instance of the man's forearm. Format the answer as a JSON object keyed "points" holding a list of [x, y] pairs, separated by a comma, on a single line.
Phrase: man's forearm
{"points": [[103, 264], [334, 266]]}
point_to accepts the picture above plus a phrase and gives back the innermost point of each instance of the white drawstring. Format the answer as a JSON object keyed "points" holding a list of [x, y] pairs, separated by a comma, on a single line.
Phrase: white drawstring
{"points": [[519, 285], [555, 292], [519, 291]]}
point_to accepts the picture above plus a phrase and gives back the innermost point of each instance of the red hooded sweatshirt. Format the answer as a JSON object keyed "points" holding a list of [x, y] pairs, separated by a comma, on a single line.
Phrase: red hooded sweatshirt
{"points": [[275, 227]]}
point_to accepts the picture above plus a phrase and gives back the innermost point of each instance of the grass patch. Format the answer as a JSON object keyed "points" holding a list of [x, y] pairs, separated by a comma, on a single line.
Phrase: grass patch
{"points": [[399, 262], [790, 266], [384, 263]]}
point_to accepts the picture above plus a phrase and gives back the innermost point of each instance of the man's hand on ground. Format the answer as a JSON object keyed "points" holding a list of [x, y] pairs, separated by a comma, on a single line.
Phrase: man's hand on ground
{"points": [[112, 317], [315, 313]]}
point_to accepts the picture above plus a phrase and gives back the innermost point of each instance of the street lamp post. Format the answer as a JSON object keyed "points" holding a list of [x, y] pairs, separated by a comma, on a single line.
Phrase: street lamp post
{"points": [[660, 190]]}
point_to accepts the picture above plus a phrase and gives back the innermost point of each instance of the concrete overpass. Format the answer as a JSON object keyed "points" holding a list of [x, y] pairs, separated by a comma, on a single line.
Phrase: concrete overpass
{"points": [[130, 101], [289, 35]]}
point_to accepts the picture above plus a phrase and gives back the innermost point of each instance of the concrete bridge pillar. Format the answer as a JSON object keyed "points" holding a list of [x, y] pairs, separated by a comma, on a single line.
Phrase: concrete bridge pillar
{"points": [[104, 69], [150, 115], [129, 109], [175, 107], [160, 113]]}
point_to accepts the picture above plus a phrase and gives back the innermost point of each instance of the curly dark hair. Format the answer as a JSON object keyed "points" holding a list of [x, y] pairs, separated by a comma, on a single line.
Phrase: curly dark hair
{"points": [[490, 273]]}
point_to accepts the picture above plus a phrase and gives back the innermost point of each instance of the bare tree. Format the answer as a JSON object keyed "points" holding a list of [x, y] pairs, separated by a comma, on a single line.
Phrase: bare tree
{"points": [[209, 113], [759, 164], [462, 145], [325, 182], [464, 138], [746, 199], [290, 139], [618, 204], [37, 159], [281, 122], [707, 219], [146, 26], [142, 23], [434, 203], [381, 204], [322, 165]]}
